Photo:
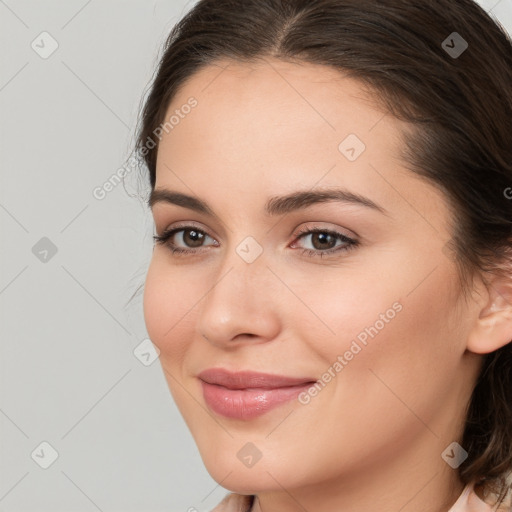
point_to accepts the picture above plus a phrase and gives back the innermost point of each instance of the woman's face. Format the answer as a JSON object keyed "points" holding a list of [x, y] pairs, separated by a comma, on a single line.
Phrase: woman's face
{"points": [[379, 322]]}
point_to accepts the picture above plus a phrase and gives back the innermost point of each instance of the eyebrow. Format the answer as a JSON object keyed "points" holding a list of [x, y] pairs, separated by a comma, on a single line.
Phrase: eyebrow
{"points": [[277, 205]]}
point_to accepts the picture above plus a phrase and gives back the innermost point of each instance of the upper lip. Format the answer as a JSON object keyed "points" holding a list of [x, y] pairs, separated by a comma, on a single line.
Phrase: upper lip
{"points": [[249, 379]]}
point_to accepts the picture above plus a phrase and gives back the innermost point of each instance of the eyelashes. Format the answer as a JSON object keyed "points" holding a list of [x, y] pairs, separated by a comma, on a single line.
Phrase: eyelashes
{"points": [[346, 242], [197, 235]]}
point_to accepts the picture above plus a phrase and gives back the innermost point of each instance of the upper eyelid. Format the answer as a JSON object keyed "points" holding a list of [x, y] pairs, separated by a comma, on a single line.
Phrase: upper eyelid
{"points": [[350, 233], [312, 226], [173, 230], [183, 226]]}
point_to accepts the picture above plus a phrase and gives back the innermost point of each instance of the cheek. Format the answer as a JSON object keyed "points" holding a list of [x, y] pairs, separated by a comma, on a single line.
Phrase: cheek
{"points": [[168, 309], [398, 306], [415, 358], [391, 338]]}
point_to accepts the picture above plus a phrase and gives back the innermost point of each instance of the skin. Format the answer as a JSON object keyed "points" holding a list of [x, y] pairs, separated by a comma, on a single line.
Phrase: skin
{"points": [[372, 438]]}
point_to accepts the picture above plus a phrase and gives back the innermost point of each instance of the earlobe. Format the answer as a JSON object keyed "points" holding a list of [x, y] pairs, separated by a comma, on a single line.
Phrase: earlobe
{"points": [[493, 326]]}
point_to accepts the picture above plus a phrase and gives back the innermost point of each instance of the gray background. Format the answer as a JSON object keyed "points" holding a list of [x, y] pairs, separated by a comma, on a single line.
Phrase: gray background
{"points": [[69, 374]]}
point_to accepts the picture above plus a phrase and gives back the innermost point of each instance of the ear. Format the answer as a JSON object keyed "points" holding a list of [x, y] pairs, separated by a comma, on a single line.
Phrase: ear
{"points": [[493, 327]]}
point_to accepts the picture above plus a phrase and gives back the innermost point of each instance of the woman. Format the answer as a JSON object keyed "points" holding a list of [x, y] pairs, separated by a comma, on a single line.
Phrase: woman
{"points": [[331, 285]]}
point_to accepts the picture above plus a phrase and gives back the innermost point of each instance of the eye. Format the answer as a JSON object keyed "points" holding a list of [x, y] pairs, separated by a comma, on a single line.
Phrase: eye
{"points": [[190, 237], [325, 242]]}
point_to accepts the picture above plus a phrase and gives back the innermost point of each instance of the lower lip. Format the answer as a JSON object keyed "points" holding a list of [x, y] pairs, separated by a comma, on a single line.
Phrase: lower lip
{"points": [[245, 404]]}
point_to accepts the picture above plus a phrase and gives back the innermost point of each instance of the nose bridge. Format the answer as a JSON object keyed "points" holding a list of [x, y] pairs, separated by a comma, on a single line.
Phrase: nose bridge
{"points": [[241, 278], [245, 266], [241, 299]]}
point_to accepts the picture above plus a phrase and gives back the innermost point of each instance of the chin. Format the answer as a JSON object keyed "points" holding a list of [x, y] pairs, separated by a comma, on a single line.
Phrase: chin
{"points": [[243, 480], [267, 474]]}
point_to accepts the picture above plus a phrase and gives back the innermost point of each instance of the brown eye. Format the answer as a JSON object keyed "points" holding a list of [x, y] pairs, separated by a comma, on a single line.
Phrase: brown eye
{"points": [[323, 240], [192, 237], [187, 239]]}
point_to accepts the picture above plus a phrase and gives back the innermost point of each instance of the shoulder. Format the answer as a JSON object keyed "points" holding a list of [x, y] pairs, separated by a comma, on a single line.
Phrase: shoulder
{"points": [[235, 503], [477, 497]]}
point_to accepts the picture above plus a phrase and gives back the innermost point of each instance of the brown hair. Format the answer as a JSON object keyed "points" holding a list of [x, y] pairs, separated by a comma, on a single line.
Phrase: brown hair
{"points": [[459, 104]]}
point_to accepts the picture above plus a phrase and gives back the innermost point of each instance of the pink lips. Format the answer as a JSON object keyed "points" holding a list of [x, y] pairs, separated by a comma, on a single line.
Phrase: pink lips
{"points": [[246, 395]]}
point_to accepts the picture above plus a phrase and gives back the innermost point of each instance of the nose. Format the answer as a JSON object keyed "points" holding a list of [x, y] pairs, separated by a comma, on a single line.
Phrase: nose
{"points": [[241, 304]]}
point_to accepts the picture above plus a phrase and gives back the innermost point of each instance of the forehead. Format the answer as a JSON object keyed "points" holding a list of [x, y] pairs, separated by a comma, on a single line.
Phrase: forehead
{"points": [[280, 89], [272, 110]]}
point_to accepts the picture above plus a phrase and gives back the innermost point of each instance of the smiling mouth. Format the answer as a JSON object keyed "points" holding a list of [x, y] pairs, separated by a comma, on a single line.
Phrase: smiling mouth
{"points": [[246, 395]]}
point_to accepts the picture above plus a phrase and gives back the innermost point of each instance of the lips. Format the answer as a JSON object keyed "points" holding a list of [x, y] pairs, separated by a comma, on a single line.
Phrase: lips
{"points": [[246, 395]]}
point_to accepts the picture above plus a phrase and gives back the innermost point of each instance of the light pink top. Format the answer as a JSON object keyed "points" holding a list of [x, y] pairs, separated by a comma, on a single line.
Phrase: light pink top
{"points": [[468, 501]]}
